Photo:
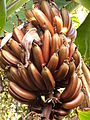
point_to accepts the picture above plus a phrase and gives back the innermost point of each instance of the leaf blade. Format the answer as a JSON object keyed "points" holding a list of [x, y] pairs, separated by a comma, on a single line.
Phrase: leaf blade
{"points": [[14, 6], [2, 14], [83, 38]]}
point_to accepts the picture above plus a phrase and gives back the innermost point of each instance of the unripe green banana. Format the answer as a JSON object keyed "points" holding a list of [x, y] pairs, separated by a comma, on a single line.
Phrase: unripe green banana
{"points": [[48, 78]]}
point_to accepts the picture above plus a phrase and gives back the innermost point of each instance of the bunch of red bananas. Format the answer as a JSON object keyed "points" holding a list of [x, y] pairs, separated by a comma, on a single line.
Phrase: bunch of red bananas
{"points": [[41, 57]]}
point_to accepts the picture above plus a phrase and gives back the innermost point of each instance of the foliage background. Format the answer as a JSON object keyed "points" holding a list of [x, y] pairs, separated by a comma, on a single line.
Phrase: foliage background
{"points": [[10, 109]]}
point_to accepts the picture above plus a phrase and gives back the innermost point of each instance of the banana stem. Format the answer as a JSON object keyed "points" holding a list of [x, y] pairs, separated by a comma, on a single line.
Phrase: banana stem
{"points": [[86, 72], [46, 111], [85, 87]]}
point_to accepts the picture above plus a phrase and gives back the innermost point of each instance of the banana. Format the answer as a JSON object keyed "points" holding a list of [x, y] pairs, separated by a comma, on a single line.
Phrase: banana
{"points": [[63, 53], [17, 34], [15, 47], [72, 34], [77, 91], [55, 43], [17, 97], [63, 39], [71, 50], [76, 57], [70, 89], [54, 10], [46, 45], [74, 103], [22, 93], [37, 56], [15, 77], [70, 24], [62, 72], [22, 56], [53, 62], [36, 77], [9, 57], [43, 20], [3, 60], [48, 78], [25, 78], [72, 69], [2, 65], [30, 16], [65, 18], [45, 7], [58, 24], [61, 112]]}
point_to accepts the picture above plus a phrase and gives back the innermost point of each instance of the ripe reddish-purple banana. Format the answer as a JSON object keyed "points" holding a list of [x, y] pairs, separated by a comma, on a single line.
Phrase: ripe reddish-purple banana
{"points": [[77, 91], [37, 56], [36, 77], [63, 53], [71, 50], [17, 97], [76, 57], [14, 76], [15, 47], [71, 87], [57, 23], [43, 20], [25, 78], [46, 45], [9, 57], [74, 103], [65, 18], [48, 78], [55, 43], [45, 7], [62, 72], [21, 92], [17, 34], [53, 62]]}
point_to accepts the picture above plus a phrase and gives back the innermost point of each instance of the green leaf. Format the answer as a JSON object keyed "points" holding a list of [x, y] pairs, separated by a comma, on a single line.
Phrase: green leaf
{"points": [[9, 2], [83, 115], [15, 5], [85, 3], [83, 38], [2, 14], [61, 3], [13, 18], [71, 6]]}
